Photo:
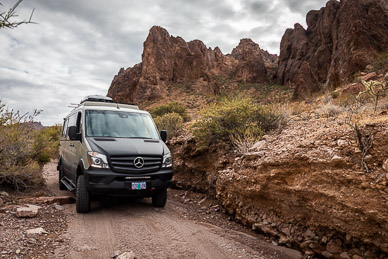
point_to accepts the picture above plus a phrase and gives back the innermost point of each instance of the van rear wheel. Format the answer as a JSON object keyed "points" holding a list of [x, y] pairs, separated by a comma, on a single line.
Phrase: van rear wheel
{"points": [[82, 196], [159, 199]]}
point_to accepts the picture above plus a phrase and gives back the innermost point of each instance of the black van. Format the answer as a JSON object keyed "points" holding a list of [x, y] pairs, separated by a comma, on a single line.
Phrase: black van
{"points": [[111, 149]]}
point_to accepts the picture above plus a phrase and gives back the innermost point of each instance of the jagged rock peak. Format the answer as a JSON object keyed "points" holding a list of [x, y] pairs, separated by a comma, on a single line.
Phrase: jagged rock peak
{"points": [[167, 60], [341, 39]]}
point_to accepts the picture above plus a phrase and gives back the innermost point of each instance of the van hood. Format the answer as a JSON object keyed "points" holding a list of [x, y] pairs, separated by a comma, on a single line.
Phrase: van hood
{"points": [[128, 146]]}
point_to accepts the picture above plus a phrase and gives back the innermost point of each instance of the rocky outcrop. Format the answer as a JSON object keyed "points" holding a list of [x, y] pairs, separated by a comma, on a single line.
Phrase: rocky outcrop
{"points": [[251, 67], [341, 39], [167, 59]]}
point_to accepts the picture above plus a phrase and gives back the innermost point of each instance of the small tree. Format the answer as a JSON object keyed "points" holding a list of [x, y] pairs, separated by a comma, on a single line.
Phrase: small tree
{"points": [[6, 17]]}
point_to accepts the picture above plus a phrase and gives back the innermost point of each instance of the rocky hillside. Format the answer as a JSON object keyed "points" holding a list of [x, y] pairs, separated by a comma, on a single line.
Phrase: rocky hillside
{"points": [[304, 185], [167, 59], [341, 39]]}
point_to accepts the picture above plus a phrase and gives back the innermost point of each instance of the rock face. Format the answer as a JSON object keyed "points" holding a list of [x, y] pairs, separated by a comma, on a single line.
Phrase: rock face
{"points": [[251, 67], [341, 39], [167, 59]]}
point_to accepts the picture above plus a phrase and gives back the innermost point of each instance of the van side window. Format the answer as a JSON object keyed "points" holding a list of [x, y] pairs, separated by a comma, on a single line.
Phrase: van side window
{"points": [[64, 129]]}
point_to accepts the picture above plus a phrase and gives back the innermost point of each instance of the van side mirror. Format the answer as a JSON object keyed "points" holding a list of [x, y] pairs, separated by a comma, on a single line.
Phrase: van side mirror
{"points": [[73, 134], [163, 135]]}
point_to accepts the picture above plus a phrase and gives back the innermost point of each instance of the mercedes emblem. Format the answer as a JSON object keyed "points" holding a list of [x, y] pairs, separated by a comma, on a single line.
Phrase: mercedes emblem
{"points": [[138, 162]]}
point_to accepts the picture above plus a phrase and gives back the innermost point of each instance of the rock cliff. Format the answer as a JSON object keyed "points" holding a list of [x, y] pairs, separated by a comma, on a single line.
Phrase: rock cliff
{"points": [[167, 59], [341, 39]]}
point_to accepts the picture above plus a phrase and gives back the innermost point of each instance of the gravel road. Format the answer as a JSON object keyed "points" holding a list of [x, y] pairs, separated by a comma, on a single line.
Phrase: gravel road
{"points": [[176, 231]]}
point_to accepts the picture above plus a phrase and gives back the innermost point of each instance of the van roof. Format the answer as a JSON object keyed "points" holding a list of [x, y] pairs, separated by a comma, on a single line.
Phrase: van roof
{"points": [[104, 104]]}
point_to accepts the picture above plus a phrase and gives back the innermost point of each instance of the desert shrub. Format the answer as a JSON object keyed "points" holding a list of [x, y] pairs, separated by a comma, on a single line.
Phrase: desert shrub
{"points": [[170, 107], [330, 110], [18, 168], [381, 62], [46, 144], [229, 118], [171, 122]]}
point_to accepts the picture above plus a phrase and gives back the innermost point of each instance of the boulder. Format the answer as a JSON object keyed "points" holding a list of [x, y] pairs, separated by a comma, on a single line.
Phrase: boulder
{"points": [[27, 212]]}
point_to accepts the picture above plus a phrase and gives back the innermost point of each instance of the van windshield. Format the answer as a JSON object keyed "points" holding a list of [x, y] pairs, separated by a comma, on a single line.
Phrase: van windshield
{"points": [[118, 124]]}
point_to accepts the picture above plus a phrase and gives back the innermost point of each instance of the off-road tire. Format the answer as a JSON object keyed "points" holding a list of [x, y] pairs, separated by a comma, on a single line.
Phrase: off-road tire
{"points": [[62, 187], [82, 197], [159, 199]]}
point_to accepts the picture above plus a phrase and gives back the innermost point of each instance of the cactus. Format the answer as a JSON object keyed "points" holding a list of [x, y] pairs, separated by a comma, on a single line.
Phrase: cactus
{"points": [[374, 89]]}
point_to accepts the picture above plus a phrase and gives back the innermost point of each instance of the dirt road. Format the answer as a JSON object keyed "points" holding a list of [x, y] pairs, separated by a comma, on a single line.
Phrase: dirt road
{"points": [[172, 232]]}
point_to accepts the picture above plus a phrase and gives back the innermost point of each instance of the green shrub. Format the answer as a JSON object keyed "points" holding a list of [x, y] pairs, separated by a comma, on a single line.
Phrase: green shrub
{"points": [[220, 122], [381, 62], [171, 122], [46, 144], [169, 108]]}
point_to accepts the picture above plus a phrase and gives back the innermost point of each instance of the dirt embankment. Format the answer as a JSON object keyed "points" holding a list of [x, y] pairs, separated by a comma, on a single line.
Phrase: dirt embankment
{"points": [[304, 186]]}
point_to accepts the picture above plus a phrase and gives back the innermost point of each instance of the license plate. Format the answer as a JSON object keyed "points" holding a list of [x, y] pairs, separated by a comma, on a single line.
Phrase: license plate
{"points": [[139, 185]]}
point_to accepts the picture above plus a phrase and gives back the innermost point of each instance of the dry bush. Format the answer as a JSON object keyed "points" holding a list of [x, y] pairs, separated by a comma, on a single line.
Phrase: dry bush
{"points": [[18, 168], [172, 122], [330, 110]]}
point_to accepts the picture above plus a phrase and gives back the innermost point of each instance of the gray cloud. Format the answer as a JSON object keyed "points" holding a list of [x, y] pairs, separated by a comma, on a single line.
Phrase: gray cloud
{"points": [[78, 46]]}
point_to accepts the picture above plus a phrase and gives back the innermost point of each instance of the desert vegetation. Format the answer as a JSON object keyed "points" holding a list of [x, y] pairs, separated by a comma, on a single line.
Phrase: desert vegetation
{"points": [[24, 149], [234, 121]]}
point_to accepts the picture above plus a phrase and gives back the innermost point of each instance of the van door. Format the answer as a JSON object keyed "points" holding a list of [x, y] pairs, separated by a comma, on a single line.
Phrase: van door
{"points": [[69, 156], [76, 148]]}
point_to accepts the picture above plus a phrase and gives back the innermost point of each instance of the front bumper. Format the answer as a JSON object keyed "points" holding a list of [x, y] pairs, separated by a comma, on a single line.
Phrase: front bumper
{"points": [[107, 182]]}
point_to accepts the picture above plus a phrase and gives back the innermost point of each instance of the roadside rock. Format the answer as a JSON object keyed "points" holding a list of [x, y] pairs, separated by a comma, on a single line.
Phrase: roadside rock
{"points": [[58, 207], [127, 255], [27, 212], [257, 146], [36, 231], [1, 202], [49, 200]]}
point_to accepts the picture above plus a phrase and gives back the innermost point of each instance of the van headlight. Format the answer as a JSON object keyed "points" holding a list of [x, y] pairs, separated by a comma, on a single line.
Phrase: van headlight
{"points": [[97, 160], [167, 160]]}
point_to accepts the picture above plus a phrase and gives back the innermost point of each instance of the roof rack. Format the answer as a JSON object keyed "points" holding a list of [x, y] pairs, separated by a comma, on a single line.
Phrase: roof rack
{"points": [[97, 98]]}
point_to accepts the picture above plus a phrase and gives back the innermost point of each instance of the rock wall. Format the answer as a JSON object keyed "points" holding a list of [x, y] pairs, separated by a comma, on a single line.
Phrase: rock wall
{"points": [[167, 59], [340, 40]]}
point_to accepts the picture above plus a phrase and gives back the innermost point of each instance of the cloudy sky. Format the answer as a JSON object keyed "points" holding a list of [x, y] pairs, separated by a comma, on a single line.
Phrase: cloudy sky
{"points": [[77, 46]]}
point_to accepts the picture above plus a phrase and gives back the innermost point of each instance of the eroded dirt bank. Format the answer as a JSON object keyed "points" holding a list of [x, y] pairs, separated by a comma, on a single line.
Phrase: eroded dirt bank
{"points": [[188, 227], [303, 186]]}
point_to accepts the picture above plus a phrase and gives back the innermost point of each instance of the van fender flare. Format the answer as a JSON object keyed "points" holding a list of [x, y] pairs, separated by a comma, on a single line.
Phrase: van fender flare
{"points": [[80, 167]]}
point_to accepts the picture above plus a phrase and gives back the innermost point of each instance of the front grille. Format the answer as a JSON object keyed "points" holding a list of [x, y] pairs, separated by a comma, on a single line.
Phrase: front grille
{"points": [[126, 164]]}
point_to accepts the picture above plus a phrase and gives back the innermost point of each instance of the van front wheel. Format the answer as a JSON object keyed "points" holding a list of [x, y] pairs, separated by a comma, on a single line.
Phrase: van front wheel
{"points": [[82, 197], [159, 199]]}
